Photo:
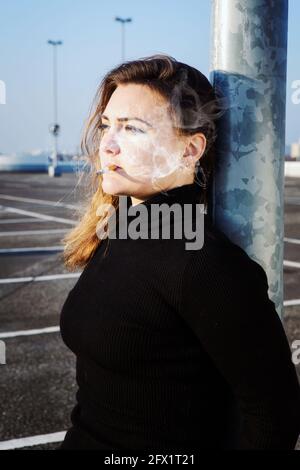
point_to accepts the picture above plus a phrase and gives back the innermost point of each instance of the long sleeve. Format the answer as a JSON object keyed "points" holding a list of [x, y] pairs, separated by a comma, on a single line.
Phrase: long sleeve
{"points": [[225, 301]]}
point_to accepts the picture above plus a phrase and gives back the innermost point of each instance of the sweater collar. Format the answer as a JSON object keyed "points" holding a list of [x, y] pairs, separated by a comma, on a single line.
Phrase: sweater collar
{"points": [[189, 194], [185, 194]]}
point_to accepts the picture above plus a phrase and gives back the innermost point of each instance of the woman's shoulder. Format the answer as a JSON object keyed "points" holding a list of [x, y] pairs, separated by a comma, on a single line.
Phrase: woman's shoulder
{"points": [[215, 241], [220, 250]]}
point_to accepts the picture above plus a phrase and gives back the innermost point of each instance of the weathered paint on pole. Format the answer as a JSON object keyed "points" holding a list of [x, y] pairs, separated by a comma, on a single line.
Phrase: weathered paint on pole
{"points": [[248, 66]]}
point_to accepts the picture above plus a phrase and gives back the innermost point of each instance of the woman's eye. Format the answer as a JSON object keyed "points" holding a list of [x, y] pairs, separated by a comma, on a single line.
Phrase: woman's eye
{"points": [[102, 127], [135, 130]]}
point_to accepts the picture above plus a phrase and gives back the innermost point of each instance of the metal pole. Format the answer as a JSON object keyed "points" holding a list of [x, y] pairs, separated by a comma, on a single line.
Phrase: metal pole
{"points": [[54, 129], [123, 21], [123, 41], [55, 82], [248, 65], [54, 161]]}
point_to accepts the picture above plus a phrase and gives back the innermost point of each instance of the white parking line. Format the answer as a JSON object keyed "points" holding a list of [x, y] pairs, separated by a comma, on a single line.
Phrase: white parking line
{"points": [[13, 334], [33, 232], [49, 277], [38, 215], [291, 264], [288, 303], [37, 201], [34, 249], [292, 240], [32, 441], [21, 221]]}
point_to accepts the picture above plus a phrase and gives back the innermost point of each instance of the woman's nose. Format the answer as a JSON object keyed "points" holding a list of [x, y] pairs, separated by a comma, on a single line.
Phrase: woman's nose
{"points": [[110, 144]]}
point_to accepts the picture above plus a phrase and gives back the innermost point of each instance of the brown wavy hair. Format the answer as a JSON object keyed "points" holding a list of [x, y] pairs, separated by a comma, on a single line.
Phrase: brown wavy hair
{"points": [[194, 107]]}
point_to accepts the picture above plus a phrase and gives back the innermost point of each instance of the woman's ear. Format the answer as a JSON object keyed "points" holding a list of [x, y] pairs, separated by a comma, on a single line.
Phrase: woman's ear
{"points": [[195, 147]]}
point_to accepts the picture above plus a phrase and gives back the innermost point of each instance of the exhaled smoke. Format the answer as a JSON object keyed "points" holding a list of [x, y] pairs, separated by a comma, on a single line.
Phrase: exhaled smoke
{"points": [[148, 156]]}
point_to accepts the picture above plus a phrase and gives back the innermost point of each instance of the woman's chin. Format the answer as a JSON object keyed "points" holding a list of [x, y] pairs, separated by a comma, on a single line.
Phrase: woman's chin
{"points": [[111, 185]]}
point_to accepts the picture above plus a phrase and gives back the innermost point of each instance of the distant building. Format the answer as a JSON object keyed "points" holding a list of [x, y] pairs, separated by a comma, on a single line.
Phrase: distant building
{"points": [[295, 151]]}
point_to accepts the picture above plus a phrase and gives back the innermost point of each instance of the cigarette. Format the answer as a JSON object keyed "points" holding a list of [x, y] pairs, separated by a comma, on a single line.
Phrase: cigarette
{"points": [[105, 170]]}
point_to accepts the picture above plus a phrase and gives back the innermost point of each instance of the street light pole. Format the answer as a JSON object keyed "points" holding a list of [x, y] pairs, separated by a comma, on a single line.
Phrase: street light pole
{"points": [[123, 21], [248, 66], [54, 128]]}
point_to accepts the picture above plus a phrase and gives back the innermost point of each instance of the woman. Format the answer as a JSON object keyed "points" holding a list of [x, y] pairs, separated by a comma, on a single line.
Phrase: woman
{"points": [[176, 348]]}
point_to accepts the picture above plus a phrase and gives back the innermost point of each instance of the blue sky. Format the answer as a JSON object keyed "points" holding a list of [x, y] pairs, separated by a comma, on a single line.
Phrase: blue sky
{"points": [[92, 46]]}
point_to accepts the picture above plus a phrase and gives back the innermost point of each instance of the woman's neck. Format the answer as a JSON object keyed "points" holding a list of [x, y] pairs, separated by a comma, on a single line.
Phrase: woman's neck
{"points": [[180, 180]]}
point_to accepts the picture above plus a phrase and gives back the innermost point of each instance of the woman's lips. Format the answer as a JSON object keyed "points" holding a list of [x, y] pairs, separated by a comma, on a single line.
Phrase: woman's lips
{"points": [[115, 169], [108, 169]]}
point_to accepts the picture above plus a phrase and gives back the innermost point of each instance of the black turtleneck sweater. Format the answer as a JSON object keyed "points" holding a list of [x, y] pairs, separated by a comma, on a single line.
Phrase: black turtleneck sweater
{"points": [[178, 349]]}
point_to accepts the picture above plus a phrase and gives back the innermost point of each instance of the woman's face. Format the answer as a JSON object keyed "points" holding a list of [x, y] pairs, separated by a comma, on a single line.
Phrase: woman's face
{"points": [[138, 136]]}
